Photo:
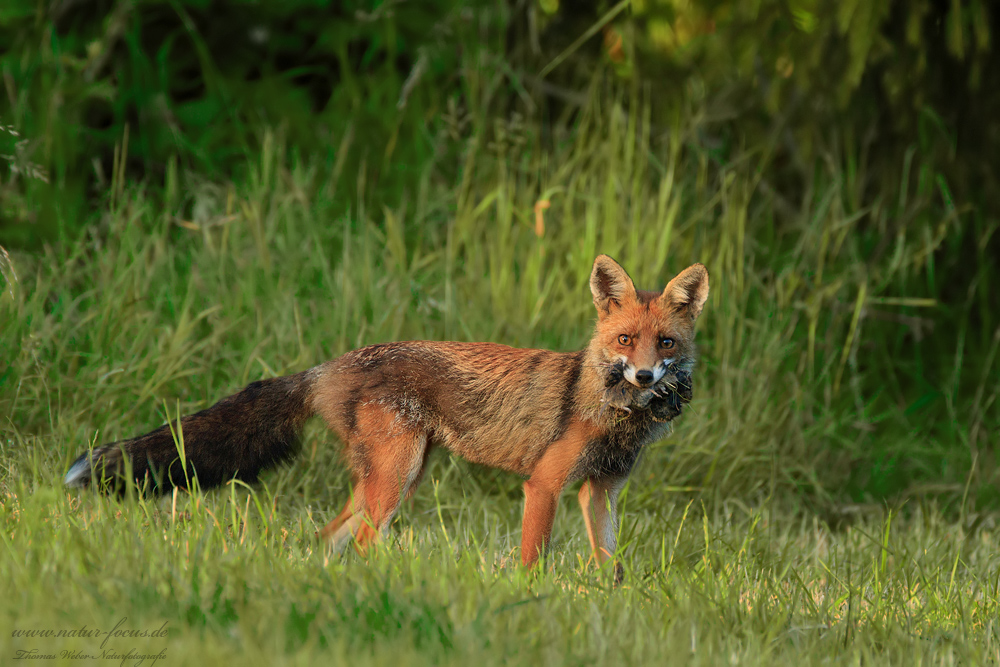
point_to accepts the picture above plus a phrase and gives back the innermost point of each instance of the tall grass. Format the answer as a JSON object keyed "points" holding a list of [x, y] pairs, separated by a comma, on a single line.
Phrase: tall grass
{"points": [[811, 392], [831, 362]]}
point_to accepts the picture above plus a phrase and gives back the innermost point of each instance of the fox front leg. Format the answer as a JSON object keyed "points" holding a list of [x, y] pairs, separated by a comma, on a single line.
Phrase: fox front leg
{"points": [[599, 502]]}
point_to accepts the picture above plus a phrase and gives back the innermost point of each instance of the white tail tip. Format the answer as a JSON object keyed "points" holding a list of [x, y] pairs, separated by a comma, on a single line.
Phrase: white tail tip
{"points": [[79, 474]]}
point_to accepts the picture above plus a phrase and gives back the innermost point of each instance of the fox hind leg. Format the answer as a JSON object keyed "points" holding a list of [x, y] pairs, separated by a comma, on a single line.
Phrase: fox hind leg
{"points": [[375, 501], [388, 459], [389, 481], [420, 473], [330, 533], [346, 524]]}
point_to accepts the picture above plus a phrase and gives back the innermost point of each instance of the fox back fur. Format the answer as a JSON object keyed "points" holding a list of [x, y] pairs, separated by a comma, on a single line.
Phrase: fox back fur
{"points": [[552, 417]]}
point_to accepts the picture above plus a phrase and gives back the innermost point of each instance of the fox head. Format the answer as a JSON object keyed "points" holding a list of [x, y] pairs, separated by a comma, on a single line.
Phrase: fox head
{"points": [[645, 336]]}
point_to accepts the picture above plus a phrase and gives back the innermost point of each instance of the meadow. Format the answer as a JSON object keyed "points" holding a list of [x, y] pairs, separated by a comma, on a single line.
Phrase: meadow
{"points": [[828, 497]]}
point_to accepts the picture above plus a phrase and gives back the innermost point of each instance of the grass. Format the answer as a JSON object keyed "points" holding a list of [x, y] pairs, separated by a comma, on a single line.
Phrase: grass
{"points": [[825, 498], [236, 575]]}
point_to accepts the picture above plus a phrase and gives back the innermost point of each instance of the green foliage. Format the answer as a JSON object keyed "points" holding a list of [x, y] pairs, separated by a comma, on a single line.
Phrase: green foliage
{"points": [[841, 451], [832, 365], [868, 85], [195, 84], [889, 58]]}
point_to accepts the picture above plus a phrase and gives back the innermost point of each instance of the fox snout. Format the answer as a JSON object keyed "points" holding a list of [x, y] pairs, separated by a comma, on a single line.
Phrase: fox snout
{"points": [[644, 377]]}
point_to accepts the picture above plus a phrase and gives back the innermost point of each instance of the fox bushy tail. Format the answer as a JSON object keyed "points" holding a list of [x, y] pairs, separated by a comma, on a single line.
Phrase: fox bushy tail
{"points": [[238, 437]]}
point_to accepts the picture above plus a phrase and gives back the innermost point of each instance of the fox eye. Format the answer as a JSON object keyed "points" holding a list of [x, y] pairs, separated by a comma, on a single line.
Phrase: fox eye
{"points": [[624, 339], [666, 343]]}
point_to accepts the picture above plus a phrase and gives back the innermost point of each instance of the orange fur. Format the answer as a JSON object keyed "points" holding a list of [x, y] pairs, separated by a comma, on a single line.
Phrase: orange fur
{"points": [[552, 417]]}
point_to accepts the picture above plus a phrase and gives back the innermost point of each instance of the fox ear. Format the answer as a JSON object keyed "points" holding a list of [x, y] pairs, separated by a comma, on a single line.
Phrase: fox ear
{"points": [[610, 285], [688, 291]]}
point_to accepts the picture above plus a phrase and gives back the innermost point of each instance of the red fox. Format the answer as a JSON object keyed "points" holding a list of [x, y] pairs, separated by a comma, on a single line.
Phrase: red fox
{"points": [[552, 417]]}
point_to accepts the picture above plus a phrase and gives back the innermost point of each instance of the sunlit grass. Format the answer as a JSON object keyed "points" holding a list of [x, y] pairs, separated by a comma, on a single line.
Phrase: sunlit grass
{"points": [[238, 574], [808, 392]]}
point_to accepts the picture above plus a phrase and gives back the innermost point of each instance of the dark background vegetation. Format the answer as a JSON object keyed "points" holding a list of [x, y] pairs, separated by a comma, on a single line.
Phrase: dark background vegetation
{"points": [[894, 100]]}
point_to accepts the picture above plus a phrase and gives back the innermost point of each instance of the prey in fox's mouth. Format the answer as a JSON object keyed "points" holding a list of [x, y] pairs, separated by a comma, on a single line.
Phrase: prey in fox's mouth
{"points": [[665, 397]]}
